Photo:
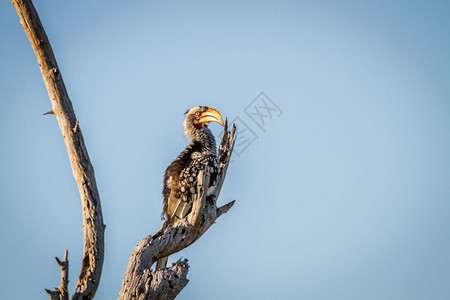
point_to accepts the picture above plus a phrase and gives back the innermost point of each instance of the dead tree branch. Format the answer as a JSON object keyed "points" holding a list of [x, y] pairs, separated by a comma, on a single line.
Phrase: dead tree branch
{"points": [[61, 292], [82, 169], [140, 282]]}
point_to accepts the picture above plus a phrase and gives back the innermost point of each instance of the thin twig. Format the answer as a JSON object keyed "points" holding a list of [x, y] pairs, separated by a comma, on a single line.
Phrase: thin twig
{"points": [[61, 292]]}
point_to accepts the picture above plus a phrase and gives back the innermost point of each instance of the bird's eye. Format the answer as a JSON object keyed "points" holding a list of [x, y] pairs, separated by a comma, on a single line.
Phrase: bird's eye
{"points": [[197, 113]]}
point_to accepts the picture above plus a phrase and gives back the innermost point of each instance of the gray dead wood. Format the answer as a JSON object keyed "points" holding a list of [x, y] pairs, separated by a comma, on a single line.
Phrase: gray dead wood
{"points": [[140, 282], [92, 262]]}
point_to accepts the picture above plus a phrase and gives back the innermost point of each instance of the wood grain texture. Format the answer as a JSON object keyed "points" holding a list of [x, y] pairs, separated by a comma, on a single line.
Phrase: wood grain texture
{"points": [[140, 281], [82, 169]]}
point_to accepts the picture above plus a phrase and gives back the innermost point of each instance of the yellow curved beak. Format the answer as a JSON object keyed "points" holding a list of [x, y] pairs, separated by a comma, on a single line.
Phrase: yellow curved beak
{"points": [[211, 115]]}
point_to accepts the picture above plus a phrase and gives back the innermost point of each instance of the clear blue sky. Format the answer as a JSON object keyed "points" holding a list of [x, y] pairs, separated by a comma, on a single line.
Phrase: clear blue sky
{"points": [[345, 195]]}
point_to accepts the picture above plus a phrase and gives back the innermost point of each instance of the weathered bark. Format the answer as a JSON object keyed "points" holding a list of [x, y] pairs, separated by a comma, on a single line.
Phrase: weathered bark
{"points": [[140, 282], [82, 169]]}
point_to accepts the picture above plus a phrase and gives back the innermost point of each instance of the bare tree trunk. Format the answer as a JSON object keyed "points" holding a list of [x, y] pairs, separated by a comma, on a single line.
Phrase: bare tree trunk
{"points": [[140, 282], [83, 171]]}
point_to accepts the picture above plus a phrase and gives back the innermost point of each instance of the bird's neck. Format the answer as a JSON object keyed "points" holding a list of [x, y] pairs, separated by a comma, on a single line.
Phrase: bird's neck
{"points": [[206, 139]]}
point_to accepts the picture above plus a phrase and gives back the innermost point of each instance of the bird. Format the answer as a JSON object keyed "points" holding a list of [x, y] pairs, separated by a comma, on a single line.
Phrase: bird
{"points": [[180, 177]]}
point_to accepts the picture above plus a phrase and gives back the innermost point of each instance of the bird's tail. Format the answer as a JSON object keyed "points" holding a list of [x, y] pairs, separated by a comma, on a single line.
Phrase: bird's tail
{"points": [[161, 263]]}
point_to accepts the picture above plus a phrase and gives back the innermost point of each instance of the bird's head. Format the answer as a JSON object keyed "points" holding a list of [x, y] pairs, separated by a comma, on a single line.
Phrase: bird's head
{"points": [[197, 119]]}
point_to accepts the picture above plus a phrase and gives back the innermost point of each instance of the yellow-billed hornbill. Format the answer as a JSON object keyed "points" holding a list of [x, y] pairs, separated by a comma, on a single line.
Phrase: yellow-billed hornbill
{"points": [[180, 179]]}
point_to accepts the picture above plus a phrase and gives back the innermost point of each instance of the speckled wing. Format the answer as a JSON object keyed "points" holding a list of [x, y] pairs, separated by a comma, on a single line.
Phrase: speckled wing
{"points": [[181, 197], [182, 194]]}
